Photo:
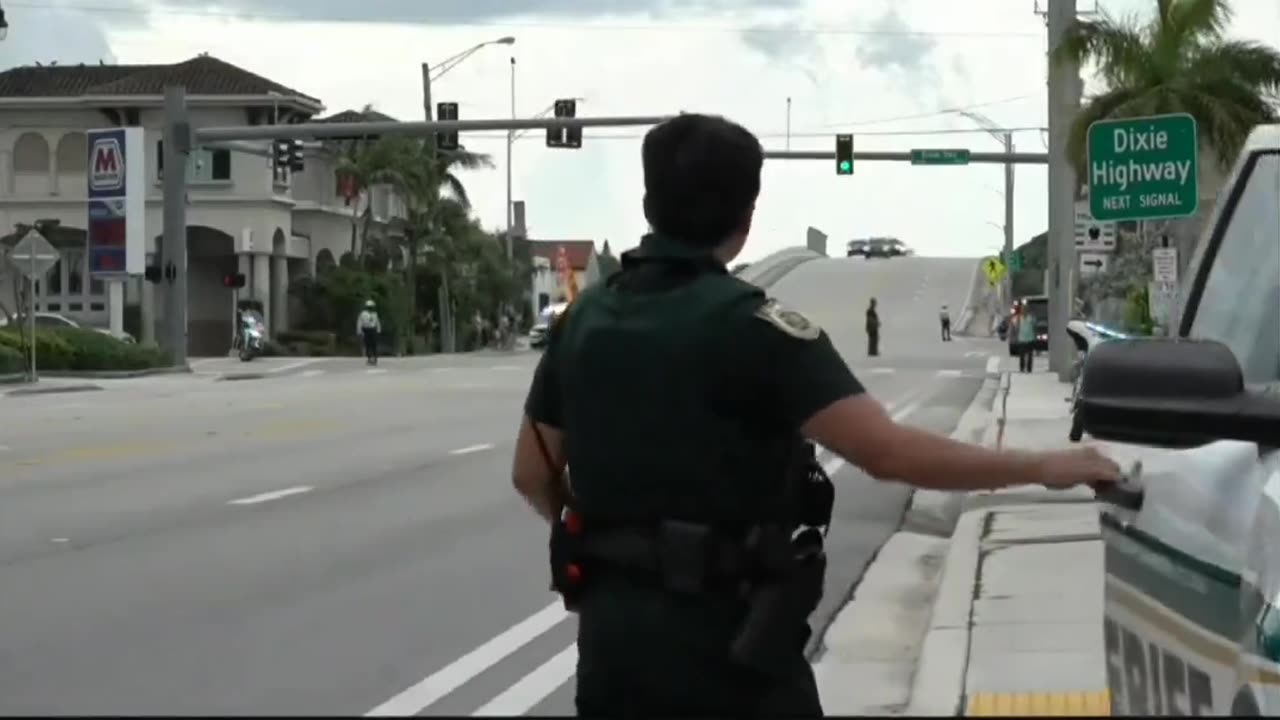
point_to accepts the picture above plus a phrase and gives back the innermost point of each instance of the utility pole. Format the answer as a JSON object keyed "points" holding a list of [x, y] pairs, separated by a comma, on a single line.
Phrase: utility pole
{"points": [[1008, 224], [177, 145], [1064, 103], [511, 141], [444, 316]]}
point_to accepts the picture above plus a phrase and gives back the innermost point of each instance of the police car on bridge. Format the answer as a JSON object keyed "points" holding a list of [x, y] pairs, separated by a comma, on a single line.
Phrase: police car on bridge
{"points": [[1192, 545]]}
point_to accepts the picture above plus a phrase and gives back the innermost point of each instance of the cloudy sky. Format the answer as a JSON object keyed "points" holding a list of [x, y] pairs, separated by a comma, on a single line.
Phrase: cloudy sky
{"points": [[891, 71]]}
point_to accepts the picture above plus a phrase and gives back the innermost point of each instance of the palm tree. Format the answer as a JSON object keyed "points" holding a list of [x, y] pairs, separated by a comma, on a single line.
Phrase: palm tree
{"points": [[1176, 62], [425, 177], [363, 163]]}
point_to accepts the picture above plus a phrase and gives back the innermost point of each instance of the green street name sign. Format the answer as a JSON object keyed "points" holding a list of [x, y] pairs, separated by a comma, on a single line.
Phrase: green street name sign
{"points": [[939, 157], [1143, 168]]}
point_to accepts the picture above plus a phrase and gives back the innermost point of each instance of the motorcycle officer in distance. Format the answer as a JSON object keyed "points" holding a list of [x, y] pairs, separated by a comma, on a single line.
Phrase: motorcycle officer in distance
{"points": [[367, 327]]}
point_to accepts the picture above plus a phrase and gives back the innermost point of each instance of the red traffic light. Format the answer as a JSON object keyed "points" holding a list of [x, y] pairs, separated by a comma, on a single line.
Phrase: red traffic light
{"points": [[233, 280]]}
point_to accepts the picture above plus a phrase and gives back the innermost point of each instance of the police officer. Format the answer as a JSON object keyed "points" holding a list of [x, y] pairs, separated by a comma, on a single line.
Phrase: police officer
{"points": [[674, 394], [873, 329]]}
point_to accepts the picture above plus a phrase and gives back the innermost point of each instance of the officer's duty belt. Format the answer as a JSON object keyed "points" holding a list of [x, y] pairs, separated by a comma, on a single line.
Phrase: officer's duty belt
{"points": [[680, 556]]}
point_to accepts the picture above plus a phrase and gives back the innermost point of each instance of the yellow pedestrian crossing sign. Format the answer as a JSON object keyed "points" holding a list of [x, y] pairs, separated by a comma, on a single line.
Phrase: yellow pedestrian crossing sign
{"points": [[993, 269]]}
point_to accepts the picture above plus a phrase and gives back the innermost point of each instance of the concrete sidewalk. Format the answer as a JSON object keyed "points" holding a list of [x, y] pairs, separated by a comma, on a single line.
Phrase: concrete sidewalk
{"points": [[1004, 618]]}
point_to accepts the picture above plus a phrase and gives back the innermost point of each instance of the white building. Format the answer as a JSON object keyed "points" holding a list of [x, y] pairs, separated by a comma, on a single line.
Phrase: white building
{"points": [[582, 258], [242, 216]]}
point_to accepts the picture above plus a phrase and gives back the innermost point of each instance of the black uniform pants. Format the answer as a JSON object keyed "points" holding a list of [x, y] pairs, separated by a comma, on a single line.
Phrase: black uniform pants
{"points": [[645, 654], [370, 336], [873, 342], [946, 330]]}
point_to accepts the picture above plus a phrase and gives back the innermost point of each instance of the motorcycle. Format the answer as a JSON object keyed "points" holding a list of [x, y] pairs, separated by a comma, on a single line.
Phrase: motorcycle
{"points": [[1086, 336], [252, 336]]}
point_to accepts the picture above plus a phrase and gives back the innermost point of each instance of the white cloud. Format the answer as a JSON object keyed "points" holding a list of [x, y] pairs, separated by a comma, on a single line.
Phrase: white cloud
{"points": [[845, 65]]}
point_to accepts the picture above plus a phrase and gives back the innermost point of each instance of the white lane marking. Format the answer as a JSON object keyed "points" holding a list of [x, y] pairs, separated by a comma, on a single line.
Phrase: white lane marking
{"points": [[292, 365], [883, 371], [457, 673], [471, 449], [375, 371], [975, 353], [993, 364], [899, 411], [312, 373], [950, 373], [534, 687], [61, 540], [273, 495]]}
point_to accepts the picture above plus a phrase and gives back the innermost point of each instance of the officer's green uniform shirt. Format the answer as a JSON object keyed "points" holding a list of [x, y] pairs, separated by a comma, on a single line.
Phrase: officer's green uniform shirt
{"points": [[680, 389]]}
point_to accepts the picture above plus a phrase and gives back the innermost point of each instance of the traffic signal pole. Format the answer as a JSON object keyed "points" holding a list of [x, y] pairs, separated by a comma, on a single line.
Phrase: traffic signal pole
{"points": [[180, 137], [1014, 158]]}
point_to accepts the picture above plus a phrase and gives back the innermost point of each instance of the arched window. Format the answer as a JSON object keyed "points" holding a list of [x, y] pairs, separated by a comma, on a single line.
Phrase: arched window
{"points": [[73, 152], [31, 154]]}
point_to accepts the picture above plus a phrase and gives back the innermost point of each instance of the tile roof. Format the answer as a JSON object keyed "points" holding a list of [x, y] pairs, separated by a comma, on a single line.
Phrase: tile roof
{"points": [[201, 75], [578, 251], [350, 116]]}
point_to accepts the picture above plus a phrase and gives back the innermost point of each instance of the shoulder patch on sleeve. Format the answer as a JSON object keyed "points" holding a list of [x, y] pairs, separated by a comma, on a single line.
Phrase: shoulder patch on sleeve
{"points": [[792, 322]]}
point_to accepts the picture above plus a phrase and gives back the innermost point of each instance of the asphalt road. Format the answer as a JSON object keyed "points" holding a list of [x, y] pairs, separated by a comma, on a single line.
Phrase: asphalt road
{"points": [[341, 540]]}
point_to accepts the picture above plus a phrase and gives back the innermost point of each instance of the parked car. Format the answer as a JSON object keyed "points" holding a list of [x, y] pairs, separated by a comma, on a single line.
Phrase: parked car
{"points": [[539, 333], [1192, 593], [55, 320], [856, 247]]}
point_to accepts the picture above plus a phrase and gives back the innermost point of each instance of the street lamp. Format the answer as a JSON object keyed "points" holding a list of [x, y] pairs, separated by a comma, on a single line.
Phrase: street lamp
{"points": [[453, 61]]}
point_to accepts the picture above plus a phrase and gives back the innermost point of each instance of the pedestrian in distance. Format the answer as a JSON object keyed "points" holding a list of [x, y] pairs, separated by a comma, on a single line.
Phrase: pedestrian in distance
{"points": [[945, 318], [673, 495], [1026, 340], [873, 330], [367, 328]]}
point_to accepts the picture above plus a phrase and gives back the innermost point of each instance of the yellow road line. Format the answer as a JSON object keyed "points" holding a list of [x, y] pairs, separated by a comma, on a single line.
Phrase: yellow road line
{"points": [[1088, 703], [270, 432]]}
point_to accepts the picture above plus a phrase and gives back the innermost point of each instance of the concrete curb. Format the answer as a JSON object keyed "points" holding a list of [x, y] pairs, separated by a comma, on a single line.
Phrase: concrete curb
{"points": [[241, 376], [13, 379], [54, 389], [116, 374], [938, 686]]}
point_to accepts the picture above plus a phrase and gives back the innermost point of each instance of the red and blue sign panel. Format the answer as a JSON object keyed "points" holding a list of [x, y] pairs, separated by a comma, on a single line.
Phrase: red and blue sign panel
{"points": [[108, 212]]}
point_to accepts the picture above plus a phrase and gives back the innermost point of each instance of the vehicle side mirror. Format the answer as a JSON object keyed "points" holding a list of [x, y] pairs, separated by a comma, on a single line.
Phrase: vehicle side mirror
{"points": [[1172, 393]]}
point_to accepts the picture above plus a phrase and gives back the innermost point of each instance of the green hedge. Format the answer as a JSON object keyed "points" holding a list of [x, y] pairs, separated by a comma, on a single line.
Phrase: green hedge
{"points": [[83, 349], [11, 361]]}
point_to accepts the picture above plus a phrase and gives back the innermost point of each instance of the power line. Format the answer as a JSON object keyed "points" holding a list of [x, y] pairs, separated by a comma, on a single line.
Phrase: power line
{"points": [[934, 113], [533, 24]]}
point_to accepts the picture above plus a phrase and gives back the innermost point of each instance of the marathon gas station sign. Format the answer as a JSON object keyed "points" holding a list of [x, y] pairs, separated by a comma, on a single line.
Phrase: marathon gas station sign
{"points": [[117, 170]]}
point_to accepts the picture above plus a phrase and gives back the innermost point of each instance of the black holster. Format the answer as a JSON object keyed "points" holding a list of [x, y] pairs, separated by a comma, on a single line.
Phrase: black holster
{"points": [[778, 608]]}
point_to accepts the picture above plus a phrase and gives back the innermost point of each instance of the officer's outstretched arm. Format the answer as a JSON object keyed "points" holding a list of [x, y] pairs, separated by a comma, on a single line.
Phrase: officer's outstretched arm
{"points": [[858, 429], [801, 377]]}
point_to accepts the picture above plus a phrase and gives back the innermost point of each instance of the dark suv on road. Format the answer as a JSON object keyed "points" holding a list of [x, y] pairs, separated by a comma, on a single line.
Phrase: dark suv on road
{"points": [[886, 248]]}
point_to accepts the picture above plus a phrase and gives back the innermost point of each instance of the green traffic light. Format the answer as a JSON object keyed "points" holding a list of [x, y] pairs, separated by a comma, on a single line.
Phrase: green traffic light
{"points": [[846, 167]]}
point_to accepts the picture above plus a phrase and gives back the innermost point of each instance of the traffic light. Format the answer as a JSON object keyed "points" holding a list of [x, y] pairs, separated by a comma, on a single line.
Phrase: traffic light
{"points": [[295, 156], [844, 154], [447, 140], [565, 137], [287, 154], [154, 271], [280, 153], [233, 280]]}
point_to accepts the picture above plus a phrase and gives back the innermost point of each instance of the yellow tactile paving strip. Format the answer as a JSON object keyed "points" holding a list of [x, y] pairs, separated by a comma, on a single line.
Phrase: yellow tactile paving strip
{"points": [[1096, 703]]}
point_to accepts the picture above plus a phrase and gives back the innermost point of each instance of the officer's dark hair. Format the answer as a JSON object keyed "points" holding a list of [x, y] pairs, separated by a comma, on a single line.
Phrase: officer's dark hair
{"points": [[701, 176]]}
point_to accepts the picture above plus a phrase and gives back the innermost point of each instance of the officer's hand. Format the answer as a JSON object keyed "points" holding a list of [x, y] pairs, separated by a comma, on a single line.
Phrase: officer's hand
{"points": [[1077, 466]]}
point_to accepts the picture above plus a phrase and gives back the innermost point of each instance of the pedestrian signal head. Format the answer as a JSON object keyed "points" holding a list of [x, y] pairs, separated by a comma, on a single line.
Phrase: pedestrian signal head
{"points": [[233, 280]]}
